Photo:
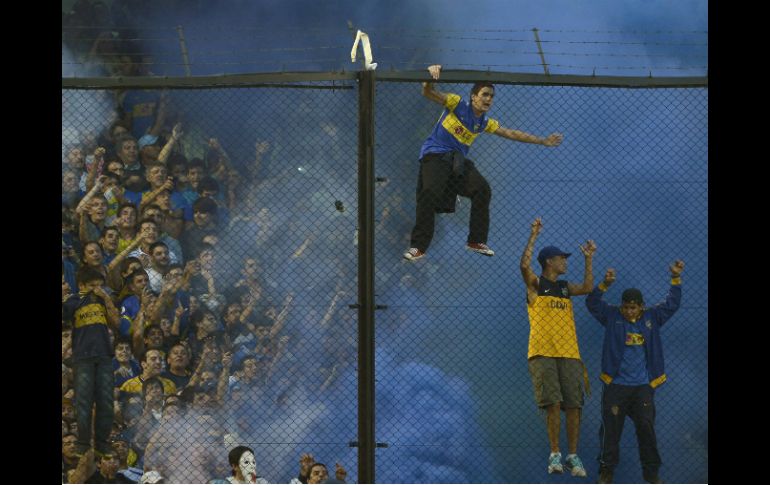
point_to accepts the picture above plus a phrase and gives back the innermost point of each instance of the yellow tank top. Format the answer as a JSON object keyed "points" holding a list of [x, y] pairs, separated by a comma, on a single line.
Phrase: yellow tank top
{"points": [[552, 322]]}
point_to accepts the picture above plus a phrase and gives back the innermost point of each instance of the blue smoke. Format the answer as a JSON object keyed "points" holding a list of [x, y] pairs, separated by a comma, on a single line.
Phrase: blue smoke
{"points": [[453, 394]]}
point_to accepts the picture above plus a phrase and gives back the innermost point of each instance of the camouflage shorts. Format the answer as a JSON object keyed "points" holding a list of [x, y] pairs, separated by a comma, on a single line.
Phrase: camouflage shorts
{"points": [[557, 380]]}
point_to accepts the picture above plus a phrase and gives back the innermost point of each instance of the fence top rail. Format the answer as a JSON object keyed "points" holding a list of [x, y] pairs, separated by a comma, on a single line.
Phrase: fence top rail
{"points": [[263, 79], [217, 81], [547, 80]]}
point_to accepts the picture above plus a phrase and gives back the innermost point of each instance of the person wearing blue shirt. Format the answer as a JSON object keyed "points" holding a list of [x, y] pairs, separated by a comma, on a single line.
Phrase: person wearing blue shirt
{"points": [[445, 172], [632, 368]]}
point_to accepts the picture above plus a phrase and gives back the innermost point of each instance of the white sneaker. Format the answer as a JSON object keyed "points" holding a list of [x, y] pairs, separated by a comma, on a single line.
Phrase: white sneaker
{"points": [[554, 463], [574, 464], [413, 254]]}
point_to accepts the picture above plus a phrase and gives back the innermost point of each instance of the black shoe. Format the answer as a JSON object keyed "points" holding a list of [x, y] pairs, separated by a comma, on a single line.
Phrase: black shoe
{"points": [[653, 479], [605, 476]]}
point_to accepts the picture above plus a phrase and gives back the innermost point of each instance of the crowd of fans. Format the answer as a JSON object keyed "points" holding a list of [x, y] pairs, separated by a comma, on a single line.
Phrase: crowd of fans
{"points": [[191, 331], [188, 315]]}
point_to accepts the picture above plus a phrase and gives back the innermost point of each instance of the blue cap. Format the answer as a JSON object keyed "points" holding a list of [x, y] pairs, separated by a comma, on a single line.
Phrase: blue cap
{"points": [[549, 252], [146, 140]]}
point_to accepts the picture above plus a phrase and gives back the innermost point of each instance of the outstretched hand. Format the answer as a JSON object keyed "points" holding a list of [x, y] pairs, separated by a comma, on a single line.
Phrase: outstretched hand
{"points": [[536, 227], [435, 70], [553, 140], [589, 248], [609, 277], [676, 268], [305, 462], [339, 472], [176, 131]]}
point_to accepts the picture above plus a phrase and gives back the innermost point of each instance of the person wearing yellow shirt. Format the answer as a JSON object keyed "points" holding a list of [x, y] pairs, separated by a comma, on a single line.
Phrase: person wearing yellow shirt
{"points": [[558, 374]]}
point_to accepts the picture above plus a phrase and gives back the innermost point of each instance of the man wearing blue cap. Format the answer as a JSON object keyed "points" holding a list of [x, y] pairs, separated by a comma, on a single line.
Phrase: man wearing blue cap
{"points": [[558, 374], [632, 368]]}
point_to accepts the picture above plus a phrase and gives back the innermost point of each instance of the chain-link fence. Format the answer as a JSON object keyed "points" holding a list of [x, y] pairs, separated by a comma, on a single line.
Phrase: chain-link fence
{"points": [[258, 277], [630, 174]]}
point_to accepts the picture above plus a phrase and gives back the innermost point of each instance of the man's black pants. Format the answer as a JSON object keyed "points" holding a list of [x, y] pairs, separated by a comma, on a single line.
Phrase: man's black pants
{"points": [[636, 402], [436, 189]]}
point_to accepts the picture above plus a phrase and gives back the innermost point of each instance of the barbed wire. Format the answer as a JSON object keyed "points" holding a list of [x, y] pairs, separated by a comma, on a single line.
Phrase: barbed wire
{"points": [[196, 37], [198, 63], [650, 32], [666, 68], [345, 29], [544, 41], [228, 28], [191, 36], [476, 51], [422, 63], [540, 65]]}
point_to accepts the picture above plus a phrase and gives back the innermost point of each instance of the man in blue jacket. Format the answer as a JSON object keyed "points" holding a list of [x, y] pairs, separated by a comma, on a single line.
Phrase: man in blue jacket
{"points": [[632, 367]]}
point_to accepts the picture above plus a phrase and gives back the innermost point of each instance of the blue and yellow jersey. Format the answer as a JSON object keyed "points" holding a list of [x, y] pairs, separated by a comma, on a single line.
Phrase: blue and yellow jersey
{"points": [[90, 335], [457, 128]]}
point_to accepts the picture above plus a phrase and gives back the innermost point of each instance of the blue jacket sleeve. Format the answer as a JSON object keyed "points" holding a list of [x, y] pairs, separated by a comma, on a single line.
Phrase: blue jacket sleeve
{"points": [[597, 306], [665, 310]]}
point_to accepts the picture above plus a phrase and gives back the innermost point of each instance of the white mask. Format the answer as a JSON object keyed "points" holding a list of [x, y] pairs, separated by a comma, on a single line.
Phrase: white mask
{"points": [[248, 467]]}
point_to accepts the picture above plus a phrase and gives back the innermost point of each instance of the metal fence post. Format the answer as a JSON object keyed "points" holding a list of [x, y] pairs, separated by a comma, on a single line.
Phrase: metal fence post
{"points": [[540, 51], [366, 440], [183, 47]]}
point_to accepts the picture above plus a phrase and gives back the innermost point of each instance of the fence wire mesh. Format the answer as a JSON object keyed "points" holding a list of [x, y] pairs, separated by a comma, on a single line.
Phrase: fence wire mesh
{"points": [[259, 268], [630, 174]]}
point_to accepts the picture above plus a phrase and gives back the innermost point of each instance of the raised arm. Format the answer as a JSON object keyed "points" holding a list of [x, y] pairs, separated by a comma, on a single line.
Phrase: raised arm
{"points": [[137, 338], [176, 134], [587, 285], [113, 315], [224, 376], [84, 469], [150, 197], [260, 149], [164, 301], [196, 375], [429, 91], [225, 165], [96, 167], [596, 306], [280, 320], [114, 265], [301, 249], [332, 307], [160, 116], [178, 312], [340, 473], [552, 140], [280, 350], [525, 264], [666, 309], [84, 207]]}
